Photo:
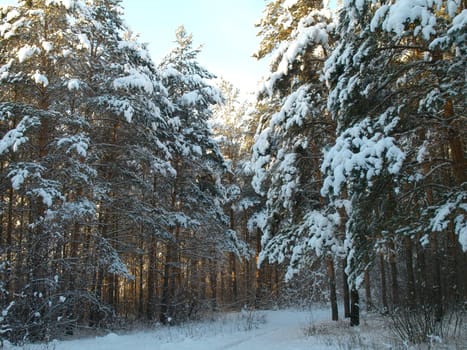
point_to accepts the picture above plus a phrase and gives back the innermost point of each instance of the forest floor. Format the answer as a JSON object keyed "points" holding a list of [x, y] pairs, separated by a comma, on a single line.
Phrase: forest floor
{"points": [[254, 330]]}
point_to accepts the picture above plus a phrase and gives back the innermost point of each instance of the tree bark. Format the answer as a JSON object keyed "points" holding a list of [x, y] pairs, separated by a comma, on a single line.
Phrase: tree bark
{"points": [[384, 290], [141, 287], [165, 299], [369, 302], [346, 291], [213, 283], [411, 296], [459, 163], [332, 289], [394, 274], [437, 292], [151, 281], [354, 307]]}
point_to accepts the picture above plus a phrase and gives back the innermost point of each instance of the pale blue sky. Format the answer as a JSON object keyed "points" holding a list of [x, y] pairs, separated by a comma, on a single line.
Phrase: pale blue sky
{"points": [[225, 28]]}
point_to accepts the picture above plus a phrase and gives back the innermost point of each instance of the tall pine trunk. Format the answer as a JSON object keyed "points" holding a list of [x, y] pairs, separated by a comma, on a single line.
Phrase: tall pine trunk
{"points": [[346, 291], [411, 296], [384, 289], [369, 302], [151, 280], [354, 306], [437, 291], [394, 274], [332, 289]]}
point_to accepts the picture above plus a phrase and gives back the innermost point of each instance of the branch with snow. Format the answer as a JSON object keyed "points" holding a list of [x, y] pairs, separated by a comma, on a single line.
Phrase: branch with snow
{"points": [[362, 152], [16, 136]]}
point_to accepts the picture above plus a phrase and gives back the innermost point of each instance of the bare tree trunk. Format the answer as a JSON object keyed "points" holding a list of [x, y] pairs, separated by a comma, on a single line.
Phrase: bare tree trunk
{"points": [[213, 284], [457, 268], [459, 162], [233, 278], [165, 299], [233, 263], [260, 273], [411, 296], [384, 290], [369, 302], [437, 292], [354, 307], [421, 274], [345, 294], [9, 238], [141, 285], [151, 281], [332, 289], [394, 274]]}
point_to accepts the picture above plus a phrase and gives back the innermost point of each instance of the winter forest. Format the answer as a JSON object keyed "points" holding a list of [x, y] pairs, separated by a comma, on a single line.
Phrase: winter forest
{"points": [[143, 192]]}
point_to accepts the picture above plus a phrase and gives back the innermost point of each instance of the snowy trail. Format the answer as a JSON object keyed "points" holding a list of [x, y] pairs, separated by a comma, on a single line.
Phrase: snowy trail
{"points": [[283, 329]]}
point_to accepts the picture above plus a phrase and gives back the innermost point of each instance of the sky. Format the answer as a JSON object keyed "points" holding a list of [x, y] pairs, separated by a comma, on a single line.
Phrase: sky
{"points": [[224, 28]]}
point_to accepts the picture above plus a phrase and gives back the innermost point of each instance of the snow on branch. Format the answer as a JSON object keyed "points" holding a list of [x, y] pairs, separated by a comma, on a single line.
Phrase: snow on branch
{"points": [[362, 152], [423, 14], [75, 143], [16, 136], [454, 210], [136, 80], [316, 234], [26, 52], [312, 30]]}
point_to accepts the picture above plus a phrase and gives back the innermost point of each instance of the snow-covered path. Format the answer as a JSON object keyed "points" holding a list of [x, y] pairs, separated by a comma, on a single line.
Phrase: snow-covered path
{"points": [[282, 329]]}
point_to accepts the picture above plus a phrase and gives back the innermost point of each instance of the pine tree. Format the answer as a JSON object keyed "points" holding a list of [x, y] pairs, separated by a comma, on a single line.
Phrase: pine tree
{"points": [[82, 143], [196, 220], [127, 106], [291, 135], [392, 87], [44, 159]]}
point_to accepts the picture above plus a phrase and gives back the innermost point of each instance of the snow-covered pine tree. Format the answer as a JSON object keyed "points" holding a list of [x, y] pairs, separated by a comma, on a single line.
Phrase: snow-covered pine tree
{"points": [[76, 90], [297, 225], [196, 222], [397, 91], [127, 106], [45, 172]]}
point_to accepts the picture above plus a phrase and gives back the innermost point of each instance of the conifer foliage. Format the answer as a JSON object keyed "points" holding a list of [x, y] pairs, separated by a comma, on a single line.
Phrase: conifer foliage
{"points": [[374, 99], [141, 191], [109, 172]]}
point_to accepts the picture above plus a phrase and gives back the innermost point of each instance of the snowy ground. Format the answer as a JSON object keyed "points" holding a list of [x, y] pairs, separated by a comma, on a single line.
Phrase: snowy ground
{"points": [[257, 330]]}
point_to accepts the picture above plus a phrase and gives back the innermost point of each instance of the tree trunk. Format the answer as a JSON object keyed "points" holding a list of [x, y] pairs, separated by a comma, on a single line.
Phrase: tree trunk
{"points": [[411, 296], [233, 278], [394, 274], [384, 290], [151, 281], [9, 239], [369, 302], [141, 287], [233, 263], [346, 291], [421, 274], [354, 307], [456, 147], [165, 299], [213, 283], [437, 292], [332, 289]]}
